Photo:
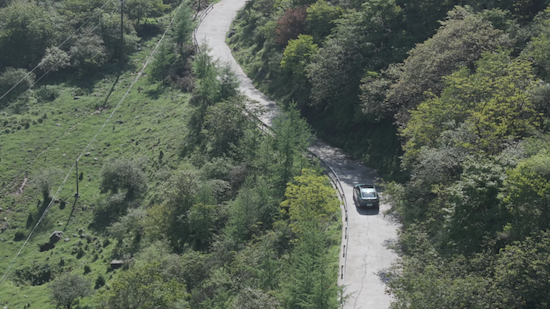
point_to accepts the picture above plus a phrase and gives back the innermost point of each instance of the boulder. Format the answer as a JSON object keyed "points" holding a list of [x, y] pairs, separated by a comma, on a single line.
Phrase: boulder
{"points": [[56, 236]]}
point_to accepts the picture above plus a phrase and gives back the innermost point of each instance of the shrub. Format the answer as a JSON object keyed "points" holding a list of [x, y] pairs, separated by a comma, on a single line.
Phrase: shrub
{"points": [[123, 176], [48, 93], [44, 180], [68, 289], [99, 282], [290, 25], [9, 78], [34, 275]]}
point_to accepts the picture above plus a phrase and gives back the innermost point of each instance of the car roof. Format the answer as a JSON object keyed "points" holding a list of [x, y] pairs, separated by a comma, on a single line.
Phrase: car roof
{"points": [[363, 189]]}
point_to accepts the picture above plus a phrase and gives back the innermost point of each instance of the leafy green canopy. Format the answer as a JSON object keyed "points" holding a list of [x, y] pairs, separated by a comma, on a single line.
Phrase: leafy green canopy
{"points": [[494, 103], [310, 198], [67, 289]]}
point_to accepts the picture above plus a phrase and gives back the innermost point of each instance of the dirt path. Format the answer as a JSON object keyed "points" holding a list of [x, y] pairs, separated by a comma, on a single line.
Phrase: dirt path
{"points": [[370, 233]]}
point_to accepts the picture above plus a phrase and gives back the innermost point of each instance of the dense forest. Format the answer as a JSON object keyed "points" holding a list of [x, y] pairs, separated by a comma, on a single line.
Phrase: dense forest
{"points": [[461, 88], [184, 201]]}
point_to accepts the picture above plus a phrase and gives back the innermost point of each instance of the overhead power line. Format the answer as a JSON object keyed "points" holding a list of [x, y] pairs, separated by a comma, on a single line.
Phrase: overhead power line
{"points": [[42, 76], [150, 56], [38, 65]]}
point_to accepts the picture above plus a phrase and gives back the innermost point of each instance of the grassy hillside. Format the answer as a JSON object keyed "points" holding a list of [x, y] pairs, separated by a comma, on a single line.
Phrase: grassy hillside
{"points": [[51, 136], [180, 186]]}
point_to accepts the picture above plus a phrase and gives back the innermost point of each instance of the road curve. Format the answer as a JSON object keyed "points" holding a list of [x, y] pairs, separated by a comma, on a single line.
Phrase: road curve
{"points": [[370, 232]]}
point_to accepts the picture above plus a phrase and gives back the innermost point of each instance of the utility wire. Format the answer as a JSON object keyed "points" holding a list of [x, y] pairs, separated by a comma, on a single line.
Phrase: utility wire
{"points": [[45, 73], [38, 65], [85, 149]]}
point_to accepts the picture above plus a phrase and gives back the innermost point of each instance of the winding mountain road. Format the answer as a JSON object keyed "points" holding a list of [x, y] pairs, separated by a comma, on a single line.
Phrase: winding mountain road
{"points": [[369, 232]]}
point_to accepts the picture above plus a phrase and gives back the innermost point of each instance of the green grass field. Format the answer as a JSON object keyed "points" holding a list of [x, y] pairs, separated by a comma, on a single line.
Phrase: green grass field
{"points": [[52, 135]]}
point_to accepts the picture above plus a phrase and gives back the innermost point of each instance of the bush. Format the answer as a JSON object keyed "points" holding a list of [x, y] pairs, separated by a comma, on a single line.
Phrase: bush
{"points": [[99, 282], [123, 176], [68, 289], [88, 52], [290, 25], [44, 180], [9, 78], [34, 274], [54, 59], [48, 93]]}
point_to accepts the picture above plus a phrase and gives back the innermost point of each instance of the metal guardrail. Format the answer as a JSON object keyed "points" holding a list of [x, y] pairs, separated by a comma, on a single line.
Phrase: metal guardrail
{"points": [[334, 178], [336, 183]]}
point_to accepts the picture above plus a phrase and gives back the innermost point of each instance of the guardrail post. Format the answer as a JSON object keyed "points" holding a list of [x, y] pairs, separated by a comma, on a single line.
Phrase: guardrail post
{"points": [[342, 272], [346, 234], [344, 251]]}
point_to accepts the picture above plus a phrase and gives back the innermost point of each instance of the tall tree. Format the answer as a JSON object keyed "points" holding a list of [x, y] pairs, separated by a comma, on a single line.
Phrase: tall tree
{"points": [[143, 286], [292, 136], [26, 30], [461, 40]]}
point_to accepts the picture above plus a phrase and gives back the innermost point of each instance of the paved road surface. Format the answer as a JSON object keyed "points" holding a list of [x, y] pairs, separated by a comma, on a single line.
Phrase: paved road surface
{"points": [[370, 233]]}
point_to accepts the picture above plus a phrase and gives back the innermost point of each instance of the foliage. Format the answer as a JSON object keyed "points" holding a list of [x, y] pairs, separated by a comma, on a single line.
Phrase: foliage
{"points": [[290, 25], [168, 221], [183, 24], [311, 198], [534, 51], [138, 10], [521, 272], [526, 194], [18, 79], [253, 210], [298, 53], [54, 59], [67, 289], [292, 137], [164, 57], [44, 180], [461, 40], [88, 52], [224, 125], [128, 231], [37, 274], [48, 93], [215, 82], [26, 29], [321, 18], [110, 34], [142, 286], [123, 176], [336, 68], [311, 283], [494, 102], [311, 204]]}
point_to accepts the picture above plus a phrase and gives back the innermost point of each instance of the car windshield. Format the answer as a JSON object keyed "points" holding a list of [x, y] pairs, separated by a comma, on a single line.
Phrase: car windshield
{"points": [[368, 193]]}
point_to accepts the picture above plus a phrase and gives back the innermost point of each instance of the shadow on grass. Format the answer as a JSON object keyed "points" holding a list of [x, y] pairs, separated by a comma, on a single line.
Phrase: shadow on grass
{"points": [[111, 91], [71, 214], [156, 93], [87, 80]]}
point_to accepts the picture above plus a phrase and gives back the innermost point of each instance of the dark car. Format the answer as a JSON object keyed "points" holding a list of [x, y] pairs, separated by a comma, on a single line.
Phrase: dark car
{"points": [[366, 195]]}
